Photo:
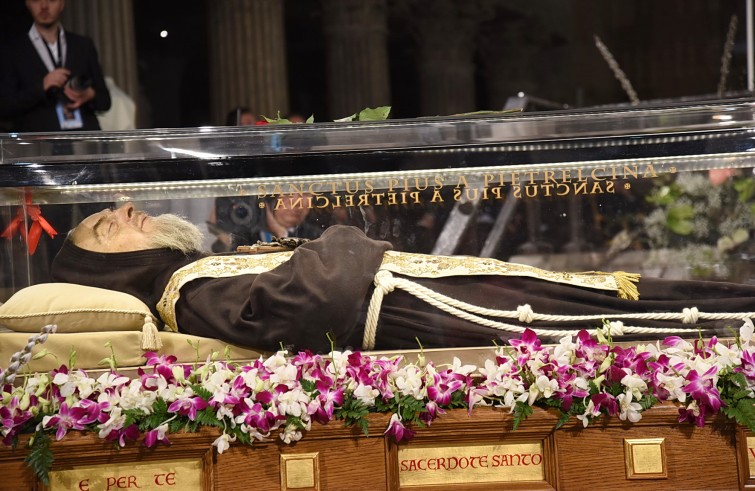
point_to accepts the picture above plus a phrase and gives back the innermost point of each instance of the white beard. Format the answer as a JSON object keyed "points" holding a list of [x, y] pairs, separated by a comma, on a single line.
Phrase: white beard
{"points": [[174, 232]]}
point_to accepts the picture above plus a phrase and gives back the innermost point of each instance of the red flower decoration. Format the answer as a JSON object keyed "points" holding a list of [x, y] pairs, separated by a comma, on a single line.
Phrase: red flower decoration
{"points": [[39, 224]]}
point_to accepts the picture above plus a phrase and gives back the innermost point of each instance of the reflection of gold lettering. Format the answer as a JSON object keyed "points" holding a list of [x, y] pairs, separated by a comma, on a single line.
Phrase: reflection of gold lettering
{"points": [[491, 193], [595, 176], [403, 190], [348, 187]]}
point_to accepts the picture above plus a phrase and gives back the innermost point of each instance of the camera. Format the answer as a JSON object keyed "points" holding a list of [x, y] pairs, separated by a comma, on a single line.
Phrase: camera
{"points": [[234, 214], [79, 82]]}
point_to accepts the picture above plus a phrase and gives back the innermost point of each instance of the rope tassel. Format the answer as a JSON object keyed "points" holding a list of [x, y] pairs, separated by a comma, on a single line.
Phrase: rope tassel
{"points": [[150, 335]]}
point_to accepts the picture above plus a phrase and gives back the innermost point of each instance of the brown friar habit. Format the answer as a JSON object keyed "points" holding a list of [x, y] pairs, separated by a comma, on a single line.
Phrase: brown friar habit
{"points": [[326, 285]]}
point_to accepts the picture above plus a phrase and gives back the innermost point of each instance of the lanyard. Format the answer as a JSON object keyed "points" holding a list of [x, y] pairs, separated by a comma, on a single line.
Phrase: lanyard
{"points": [[58, 62]]}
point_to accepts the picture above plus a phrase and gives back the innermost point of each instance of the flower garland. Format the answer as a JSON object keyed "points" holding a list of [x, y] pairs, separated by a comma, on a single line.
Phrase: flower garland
{"points": [[281, 396]]}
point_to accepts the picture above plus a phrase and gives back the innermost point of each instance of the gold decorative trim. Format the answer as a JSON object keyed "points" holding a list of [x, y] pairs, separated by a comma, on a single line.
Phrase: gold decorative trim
{"points": [[300, 472], [213, 267], [645, 458], [431, 266]]}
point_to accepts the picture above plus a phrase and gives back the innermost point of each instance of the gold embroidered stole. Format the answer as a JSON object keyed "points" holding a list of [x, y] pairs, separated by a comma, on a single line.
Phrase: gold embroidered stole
{"points": [[213, 267], [407, 264], [429, 266]]}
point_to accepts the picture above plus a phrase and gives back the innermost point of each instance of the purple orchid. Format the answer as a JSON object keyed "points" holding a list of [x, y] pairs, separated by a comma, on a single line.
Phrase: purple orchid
{"points": [[397, 430], [74, 418], [748, 364], [703, 390], [158, 435], [607, 402], [443, 389], [123, 435], [13, 418], [188, 406]]}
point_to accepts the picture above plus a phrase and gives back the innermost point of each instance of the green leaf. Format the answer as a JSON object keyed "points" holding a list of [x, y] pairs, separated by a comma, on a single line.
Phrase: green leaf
{"points": [[374, 114], [522, 411], [745, 189], [308, 385], [40, 457], [679, 219], [207, 417], [369, 114], [562, 420], [353, 413], [201, 392], [743, 412]]}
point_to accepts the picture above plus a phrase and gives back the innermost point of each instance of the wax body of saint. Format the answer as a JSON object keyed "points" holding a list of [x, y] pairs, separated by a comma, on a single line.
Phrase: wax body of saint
{"points": [[326, 286]]}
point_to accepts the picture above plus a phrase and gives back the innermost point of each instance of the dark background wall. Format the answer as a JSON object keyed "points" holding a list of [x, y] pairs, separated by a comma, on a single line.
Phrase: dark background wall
{"points": [[667, 48]]}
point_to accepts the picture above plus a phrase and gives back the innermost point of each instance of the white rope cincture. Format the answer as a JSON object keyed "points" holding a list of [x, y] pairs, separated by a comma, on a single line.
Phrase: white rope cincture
{"points": [[385, 283], [21, 358]]}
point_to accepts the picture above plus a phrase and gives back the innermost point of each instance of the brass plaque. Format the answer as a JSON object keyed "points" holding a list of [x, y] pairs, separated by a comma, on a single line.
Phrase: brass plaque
{"points": [[161, 475], [751, 454], [300, 471], [645, 458], [510, 462]]}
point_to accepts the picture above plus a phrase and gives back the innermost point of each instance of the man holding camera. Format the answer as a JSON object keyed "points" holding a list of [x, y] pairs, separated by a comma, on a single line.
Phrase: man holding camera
{"points": [[51, 80]]}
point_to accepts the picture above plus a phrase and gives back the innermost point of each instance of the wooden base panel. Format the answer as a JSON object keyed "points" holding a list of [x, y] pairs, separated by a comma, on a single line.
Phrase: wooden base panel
{"points": [[459, 452]]}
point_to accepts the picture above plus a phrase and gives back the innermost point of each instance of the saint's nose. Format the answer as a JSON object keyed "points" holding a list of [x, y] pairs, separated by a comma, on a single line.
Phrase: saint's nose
{"points": [[126, 211]]}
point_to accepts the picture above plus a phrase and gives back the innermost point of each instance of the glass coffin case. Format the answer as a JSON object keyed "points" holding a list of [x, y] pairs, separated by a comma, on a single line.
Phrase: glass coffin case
{"points": [[462, 231]]}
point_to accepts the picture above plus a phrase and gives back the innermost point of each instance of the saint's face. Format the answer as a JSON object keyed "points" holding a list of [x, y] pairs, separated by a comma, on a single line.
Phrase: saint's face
{"points": [[122, 230], [45, 12]]}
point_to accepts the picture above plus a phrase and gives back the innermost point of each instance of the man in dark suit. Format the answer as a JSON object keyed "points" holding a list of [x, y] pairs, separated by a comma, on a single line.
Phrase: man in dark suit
{"points": [[51, 80]]}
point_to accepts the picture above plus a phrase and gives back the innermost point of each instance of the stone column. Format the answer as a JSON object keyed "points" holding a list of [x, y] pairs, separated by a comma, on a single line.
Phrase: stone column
{"points": [[247, 57], [110, 24], [446, 32], [357, 55]]}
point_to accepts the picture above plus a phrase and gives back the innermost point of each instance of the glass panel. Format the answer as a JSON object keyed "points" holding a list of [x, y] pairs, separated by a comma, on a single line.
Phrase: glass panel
{"points": [[666, 193]]}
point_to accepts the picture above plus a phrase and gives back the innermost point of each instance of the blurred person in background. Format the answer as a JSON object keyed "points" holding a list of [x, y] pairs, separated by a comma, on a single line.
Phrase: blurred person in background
{"points": [[51, 79], [240, 116]]}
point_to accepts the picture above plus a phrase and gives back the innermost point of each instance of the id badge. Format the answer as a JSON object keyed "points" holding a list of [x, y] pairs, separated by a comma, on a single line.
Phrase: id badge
{"points": [[69, 119]]}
